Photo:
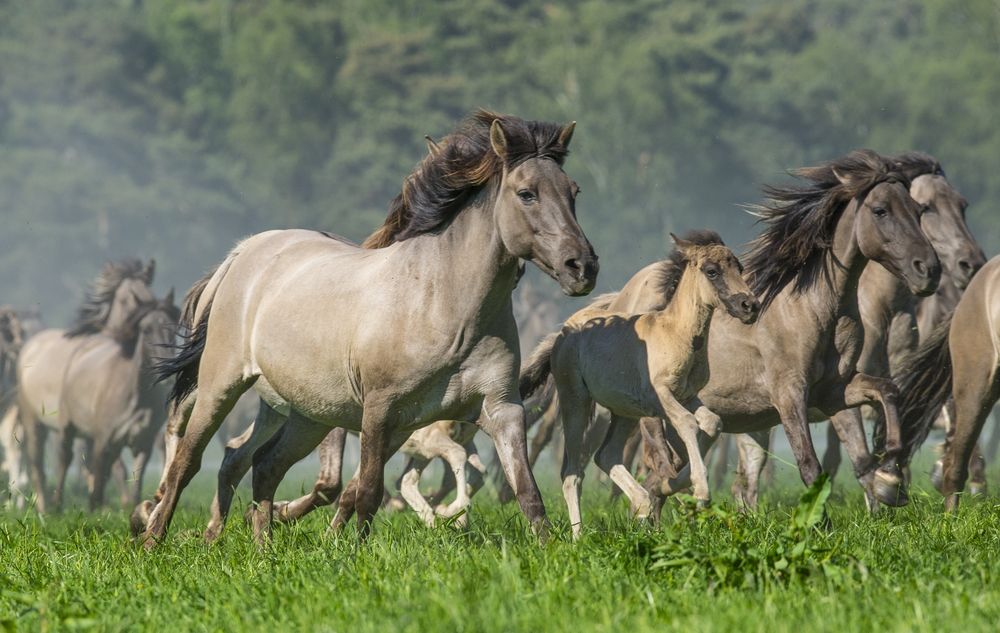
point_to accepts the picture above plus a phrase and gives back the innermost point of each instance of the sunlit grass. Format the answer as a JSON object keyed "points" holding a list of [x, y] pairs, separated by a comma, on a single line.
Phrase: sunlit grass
{"points": [[910, 569]]}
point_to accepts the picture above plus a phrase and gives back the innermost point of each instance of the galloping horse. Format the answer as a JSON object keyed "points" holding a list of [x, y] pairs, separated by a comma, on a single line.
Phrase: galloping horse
{"points": [[113, 298], [651, 364], [959, 360], [887, 307], [414, 327]]}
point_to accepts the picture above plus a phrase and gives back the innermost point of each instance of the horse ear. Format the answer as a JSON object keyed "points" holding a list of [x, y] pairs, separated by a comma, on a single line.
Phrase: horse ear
{"points": [[567, 134], [432, 147], [169, 299], [498, 139], [149, 271]]}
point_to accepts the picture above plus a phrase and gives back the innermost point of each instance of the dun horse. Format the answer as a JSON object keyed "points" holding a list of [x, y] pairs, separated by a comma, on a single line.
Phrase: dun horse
{"points": [[653, 364], [961, 360], [417, 327], [113, 299], [11, 339], [887, 307]]}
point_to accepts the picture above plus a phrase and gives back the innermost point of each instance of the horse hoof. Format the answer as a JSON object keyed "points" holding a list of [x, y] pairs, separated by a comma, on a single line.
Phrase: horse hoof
{"points": [[977, 488], [280, 512], [703, 504], [937, 475], [139, 518], [890, 489]]}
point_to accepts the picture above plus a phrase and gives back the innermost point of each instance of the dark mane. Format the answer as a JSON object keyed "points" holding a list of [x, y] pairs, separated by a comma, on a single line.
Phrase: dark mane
{"points": [[671, 269], [93, 313], [913, 164], [448, 178], [800, 219]]}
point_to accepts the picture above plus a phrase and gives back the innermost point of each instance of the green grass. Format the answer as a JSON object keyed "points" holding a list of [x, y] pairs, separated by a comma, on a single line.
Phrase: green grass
{"points": [[908, 570]]}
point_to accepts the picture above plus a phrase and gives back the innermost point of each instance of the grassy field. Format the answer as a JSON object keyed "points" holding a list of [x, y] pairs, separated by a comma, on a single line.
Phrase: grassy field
{"points": [[908, 570]]}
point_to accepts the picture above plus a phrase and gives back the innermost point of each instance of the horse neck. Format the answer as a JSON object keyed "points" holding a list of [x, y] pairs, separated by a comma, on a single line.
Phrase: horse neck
{"points": [[687, 315], [468, 258], [843, 264], [883, 293]]}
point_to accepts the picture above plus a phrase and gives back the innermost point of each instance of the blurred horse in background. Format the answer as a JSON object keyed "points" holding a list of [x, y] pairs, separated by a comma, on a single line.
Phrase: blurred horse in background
{"points": [[108, 312]]}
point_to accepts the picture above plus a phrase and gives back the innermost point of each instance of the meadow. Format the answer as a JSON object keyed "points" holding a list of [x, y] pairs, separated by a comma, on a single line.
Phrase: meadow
{"points": [[786, 568]]}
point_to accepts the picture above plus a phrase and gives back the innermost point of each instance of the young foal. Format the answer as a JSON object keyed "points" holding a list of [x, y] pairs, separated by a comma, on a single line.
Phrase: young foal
{"points": [[651, 364]]}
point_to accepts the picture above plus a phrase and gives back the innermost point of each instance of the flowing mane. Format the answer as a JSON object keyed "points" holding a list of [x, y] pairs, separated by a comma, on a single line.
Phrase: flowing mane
{"points": [[913, 164], [461, 165], [669, 272], [800, 219], [92, 315]]}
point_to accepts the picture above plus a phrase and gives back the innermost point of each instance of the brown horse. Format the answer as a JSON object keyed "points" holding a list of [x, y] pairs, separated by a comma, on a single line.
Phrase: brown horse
{"points": [[959, 360], [383, 340], [888, 309]]}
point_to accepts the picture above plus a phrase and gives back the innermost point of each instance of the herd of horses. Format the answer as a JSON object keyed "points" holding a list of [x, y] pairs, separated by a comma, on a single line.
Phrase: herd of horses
{"points": [[865, 293]]}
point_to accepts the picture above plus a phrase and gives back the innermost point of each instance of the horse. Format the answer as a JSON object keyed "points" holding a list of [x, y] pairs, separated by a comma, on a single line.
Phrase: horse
{"points": [[114, 296], [110, 397], [650, 364], [413, 326], [959, 360], [12, 337], [889, 311]]}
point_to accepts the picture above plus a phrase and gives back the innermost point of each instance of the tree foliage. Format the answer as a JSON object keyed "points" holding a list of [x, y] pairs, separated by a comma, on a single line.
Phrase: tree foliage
{"points": [[172, 128]]}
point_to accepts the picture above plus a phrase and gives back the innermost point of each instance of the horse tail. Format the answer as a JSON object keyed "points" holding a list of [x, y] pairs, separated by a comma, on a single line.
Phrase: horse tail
{"points": [[538, 367], [183, 366], [540, 404], [924, 383]]}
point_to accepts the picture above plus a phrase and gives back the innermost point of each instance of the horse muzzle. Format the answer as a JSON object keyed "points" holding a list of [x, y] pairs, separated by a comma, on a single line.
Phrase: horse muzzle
{"points": [[923, 276], [577, 276]]}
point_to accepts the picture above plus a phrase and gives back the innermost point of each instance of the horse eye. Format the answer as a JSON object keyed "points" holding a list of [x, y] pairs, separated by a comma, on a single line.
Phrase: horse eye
{"points": [[880, 212], [711, 273], [525, 195]]}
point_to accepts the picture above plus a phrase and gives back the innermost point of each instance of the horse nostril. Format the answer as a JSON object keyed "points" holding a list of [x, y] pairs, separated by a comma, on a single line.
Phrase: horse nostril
{"points": [[920, 267], [574, 265], [966, 266]]}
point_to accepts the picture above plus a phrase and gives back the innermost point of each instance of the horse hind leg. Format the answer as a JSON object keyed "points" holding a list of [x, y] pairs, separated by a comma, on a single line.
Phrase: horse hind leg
{"points": [[34, 442], [975, 389], [328, 485], [64, 455], [576, 410], [217, 392], [298, 438], [752, 449], [238, 457]]}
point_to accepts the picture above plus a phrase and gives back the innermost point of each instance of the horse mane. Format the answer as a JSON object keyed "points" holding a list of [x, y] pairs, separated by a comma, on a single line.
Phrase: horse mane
{"points": [[800, 219], [92, 315], [913, 164], [669, 272], [447, 179]]}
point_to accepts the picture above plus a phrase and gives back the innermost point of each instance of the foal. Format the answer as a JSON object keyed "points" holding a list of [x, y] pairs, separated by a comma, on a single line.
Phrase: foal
{"points": [[643, 365]]}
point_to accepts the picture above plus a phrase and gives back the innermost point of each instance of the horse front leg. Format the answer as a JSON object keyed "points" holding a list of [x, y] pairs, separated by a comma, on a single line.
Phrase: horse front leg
{"points": [[504, 422], [889, 484], [790, 404], [847, 427]]}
